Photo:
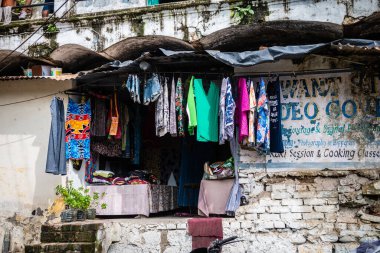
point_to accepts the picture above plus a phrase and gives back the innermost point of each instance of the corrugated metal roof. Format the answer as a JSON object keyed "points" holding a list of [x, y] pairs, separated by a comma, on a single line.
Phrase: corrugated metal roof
{"points": [[55, 78]]}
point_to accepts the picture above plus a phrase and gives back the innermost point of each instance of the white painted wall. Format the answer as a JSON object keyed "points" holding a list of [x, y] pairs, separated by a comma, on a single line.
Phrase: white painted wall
{"points": [[24, 136], [198, 20]]}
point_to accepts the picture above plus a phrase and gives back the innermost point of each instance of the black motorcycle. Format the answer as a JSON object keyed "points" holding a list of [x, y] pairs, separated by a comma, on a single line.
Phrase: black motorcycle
{"points": [[216, 246]]}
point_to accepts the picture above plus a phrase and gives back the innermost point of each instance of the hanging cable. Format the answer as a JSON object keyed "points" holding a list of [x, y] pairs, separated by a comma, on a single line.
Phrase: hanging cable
{"points": [[39, 28]]}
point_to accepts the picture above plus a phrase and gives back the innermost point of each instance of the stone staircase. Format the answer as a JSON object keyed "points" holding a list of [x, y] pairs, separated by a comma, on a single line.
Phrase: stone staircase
{"points": [[67, 238]]}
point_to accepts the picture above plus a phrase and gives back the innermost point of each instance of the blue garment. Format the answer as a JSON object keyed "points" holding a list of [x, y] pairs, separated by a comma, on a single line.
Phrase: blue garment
{"points": [[56, 160], [133, 86], [152, 89], [229, 113], [136, 123], [49, 7], [262, 136], [78, 120], [274, 94]]}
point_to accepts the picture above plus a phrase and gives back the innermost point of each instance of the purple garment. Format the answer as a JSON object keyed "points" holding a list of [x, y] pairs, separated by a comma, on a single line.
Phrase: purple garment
{"points": [[242, 109]]}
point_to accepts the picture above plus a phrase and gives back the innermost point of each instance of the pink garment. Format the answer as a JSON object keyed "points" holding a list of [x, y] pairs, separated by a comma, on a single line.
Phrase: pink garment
{"points": [[213, 196], [242, 109], [204, 231]]}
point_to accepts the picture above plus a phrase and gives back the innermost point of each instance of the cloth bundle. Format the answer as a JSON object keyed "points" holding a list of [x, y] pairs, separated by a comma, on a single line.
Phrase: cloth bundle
{"points": [[219, 170]]}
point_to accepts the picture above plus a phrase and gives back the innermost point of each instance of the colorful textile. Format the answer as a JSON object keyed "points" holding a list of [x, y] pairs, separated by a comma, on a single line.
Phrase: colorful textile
{"points": [[91, 167], [172, 114], [262, 136], [222, 111], [109, 148], [56, 161], [190, 108], [275, 128], [77, 139], [162, 111], [252, 112], [230, 113], [179, 108], [242, 109], [207, 107]]}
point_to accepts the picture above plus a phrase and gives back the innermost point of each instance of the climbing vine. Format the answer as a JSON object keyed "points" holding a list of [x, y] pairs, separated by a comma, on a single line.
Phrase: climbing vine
{"points": [[243, 14]]}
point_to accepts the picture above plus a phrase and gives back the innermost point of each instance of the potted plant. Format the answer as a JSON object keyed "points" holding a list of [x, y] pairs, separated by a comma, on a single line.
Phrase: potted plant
{"points": [[95, 202], [77, 202]]}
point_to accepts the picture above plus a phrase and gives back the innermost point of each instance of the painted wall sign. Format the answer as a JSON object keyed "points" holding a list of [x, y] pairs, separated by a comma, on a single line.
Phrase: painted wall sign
{"points": [[329, 121]]}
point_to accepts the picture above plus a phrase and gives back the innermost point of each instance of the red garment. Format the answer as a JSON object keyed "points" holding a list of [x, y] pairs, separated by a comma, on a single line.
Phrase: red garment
{"points": [[204, 231]]}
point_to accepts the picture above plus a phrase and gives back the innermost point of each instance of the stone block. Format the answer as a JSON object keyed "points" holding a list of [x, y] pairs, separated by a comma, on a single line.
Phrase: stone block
{"points": [[347, 238], [278, 187], [292, 202], [246, 224], [279, 224], [269, 202], [297, 239], [366, 227], [330, 217], [355, 233], [327, 194], [332, 201], [269, 216], [329, 238], [313, 216], [301, 187], [327, 209], [301, 209], [152, 237], [181, 226], [369, 239], [341, 226], [171, 226], [280, 195], [278, 209], [235, 225], [291, 216], [304, 195], [251, 217], [345, 247], [255, 209], [262, 226], [326, 184], [315, 202], [315, 248], [344, 189]]}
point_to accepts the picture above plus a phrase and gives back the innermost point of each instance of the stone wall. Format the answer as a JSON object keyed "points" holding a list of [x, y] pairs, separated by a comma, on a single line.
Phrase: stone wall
{"points": [[288, 212]]}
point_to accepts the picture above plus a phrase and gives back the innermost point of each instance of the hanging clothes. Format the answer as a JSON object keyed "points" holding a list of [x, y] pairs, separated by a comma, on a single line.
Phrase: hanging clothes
{"points": [[172, 114], [252, 112], [124, 127], [179, 108], [91, 167], [162, 111], [136, 124], [242, 109], [152, 89], [98, 122], [262, 136], [78, 120], [207, 107], [274, 95], [133, 86], [56, 161], [113, 122], [190, 108], [230, 113], [222, 111]]}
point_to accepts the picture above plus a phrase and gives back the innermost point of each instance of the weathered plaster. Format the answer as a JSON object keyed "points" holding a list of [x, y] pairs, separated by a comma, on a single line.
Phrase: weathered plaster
{"points": [[188, 20]]}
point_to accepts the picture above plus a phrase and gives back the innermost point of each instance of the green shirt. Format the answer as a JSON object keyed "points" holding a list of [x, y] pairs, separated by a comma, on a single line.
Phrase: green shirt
{"points": [[190, 108], [207, 107]]}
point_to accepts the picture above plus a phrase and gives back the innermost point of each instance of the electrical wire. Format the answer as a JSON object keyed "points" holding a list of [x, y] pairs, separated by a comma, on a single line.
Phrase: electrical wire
{"points": [[31, 99], [39, 28]]}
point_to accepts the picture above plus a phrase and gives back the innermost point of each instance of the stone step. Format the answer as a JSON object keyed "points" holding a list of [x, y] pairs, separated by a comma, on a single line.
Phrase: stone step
{"points": [[88, 236], [62, 248], [71, 227]]}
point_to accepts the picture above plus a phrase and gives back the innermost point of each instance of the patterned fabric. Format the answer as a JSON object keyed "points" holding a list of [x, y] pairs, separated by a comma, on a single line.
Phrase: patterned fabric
{"points": [[242, 110], [109, 148], [78, 119], [262, 138], [91, 167], [222, 109], [172, 116], [230, 113], [162, 111], [179, 108], [275, 128], [252, 111]]}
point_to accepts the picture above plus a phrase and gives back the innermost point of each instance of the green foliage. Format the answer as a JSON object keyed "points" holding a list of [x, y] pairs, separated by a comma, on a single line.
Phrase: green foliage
{"points": [[243, 14], [51, 28], [79, 198]]}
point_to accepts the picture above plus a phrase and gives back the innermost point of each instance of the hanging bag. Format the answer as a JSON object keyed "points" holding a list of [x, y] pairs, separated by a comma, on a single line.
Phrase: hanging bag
{"points": [[114, 119]]}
